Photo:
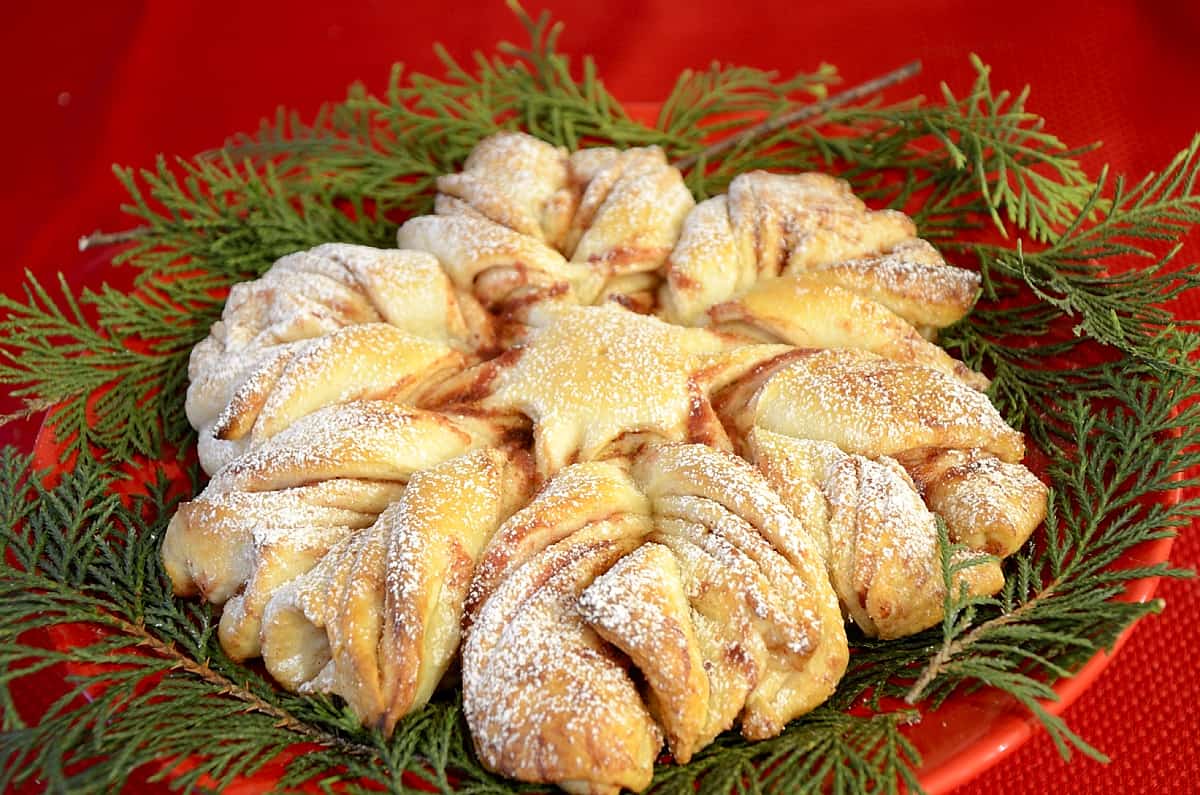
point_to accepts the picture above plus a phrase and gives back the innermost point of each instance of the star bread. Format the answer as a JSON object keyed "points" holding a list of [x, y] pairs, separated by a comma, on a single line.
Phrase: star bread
{"points": [[639, 469]]}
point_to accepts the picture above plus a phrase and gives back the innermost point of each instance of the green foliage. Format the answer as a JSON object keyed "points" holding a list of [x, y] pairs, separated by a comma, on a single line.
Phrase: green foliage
{"points": [[826, 751], [1124, 309], [1111, 465], [981, 155], [111, 367]]}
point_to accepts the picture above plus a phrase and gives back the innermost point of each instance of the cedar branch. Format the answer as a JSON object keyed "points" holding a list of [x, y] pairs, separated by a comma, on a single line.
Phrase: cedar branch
{"points": [[284, 719], [861, 91]]}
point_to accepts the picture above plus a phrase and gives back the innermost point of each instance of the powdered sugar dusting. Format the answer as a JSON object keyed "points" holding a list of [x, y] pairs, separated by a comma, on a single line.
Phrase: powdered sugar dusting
{"points": [[641, 551], [596, 373], [988, 504], [810, 226], [614, 601], [545, 698], [869, 405], [306, 303], [631, 213], [911, 279], [513, 179]]}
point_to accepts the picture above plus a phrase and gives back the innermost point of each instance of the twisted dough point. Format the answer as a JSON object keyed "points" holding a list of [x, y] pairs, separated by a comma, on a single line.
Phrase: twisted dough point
{"points": [[502, 268], [516, 181], [805, 312], [778, 631], [691, 568], [640, 606], [523, 222], [545, 698], [791, 225], [373, 361], [269, 516], [302, 321], [631, 210], [878, 540], [867, 405], [377, 620], [912, 432], [987, 503], [800, 259]]}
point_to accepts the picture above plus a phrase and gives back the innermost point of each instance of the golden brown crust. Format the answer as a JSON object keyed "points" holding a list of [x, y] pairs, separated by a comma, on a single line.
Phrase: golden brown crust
{"points": [[366, 412], [878, 538], [988, 504], [806, 313], [523, 223], [377, 620], [707, 502], [209, 544], [495, 263], [910, 278], [516, 181], [563, 506], [600, 381], [809, 226], [366, 362], [270, 515], [868, 405], [356, 321], [639, 606], [630, 213], [545, 697], [726, 613], [453, 511], [804, 221]]}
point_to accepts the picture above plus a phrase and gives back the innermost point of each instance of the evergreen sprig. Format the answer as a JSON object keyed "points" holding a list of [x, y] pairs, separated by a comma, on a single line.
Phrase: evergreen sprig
{"points": [[1123, 309], [80, 548], [1111, 468]]}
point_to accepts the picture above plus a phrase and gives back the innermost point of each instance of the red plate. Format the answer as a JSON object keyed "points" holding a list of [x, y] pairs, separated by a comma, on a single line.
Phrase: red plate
{"points": [[966, 735], [958, 741]]}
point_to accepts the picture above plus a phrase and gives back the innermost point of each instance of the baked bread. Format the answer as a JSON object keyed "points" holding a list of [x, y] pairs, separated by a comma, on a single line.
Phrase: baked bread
{"points": [[598, 382], [377, 620], [272, 514], [681, 563], [877, 538], [336, 323], [644, 457], [525, 222], [811, 226], [809, 313]]}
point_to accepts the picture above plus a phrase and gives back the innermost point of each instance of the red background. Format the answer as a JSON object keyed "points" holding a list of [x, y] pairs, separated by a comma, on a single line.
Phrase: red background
{"points": [[119, 82]]}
